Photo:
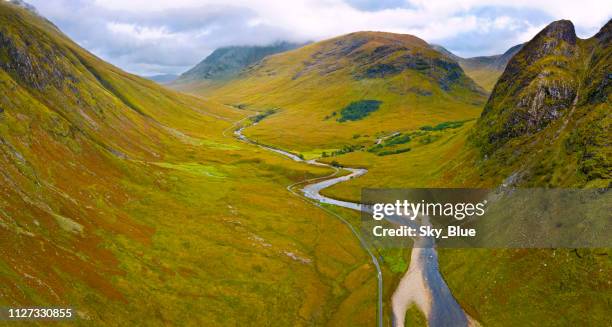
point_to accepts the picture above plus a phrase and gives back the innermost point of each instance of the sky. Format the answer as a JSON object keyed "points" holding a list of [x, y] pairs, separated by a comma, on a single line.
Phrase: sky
{"points": [[150, 37]]}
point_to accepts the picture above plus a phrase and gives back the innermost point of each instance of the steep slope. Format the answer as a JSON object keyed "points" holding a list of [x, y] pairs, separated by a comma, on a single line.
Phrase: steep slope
{"points": [[227, 62], [127, 202], [548, 117], [328, 93], [546, 124], [484, 70]]}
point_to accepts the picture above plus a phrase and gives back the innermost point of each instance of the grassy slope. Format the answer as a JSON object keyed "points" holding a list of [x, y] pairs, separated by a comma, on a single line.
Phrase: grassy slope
{"points": [[127, 202], [314, 81], [425, 165], [485, 77]]}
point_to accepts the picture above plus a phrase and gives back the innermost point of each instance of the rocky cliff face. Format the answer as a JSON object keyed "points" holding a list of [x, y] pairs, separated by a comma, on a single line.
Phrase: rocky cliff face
{"points": [[550, 89], [538, 85]]}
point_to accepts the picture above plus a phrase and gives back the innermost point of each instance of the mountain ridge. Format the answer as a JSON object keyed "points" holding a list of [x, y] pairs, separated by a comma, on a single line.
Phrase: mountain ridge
{"points": [[485, 70], [553, 94], [227, 62]]}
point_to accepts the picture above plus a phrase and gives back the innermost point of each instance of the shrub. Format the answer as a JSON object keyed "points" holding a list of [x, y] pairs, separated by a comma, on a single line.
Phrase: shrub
{"points": [[390, 152], [347, 149], [263, 115], [375, 148], [443, 126], [397, 139], [429, 139]]}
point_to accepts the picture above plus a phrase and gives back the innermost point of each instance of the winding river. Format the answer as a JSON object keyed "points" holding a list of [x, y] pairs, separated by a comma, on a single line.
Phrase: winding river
{"points": [[422, 284]]}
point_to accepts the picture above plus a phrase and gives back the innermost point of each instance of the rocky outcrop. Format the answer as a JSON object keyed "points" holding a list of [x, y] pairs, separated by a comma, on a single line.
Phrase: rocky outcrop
{"points": [[538, 85], [557, 39], [548, 116]]}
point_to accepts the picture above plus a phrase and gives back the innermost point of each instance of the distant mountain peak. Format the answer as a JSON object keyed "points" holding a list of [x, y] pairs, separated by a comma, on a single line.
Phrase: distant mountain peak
{"points": [[484, 70], [227, 62], [554, 93]]}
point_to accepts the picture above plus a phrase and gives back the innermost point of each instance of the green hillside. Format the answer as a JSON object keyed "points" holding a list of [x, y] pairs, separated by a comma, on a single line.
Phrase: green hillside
{"points": [[310, 87], [134, 205]]}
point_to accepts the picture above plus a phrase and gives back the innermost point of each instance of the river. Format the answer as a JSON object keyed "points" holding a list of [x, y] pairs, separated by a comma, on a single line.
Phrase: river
{"points": [[421, 285]]}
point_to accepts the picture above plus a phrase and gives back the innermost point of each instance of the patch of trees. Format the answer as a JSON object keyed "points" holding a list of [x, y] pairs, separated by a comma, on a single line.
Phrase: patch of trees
{"points": [[358, 110]]}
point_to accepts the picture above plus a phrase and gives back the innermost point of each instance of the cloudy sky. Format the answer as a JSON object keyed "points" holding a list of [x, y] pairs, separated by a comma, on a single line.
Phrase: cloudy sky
{"points": [[150, 37]]}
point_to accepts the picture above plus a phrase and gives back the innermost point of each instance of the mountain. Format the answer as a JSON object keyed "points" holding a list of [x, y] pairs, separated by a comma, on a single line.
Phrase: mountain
{"points": [[163, 78], [496, 62], [389, 81], [484, 70], [131, 204], [548, 117], [227, 62], [545, 125]]}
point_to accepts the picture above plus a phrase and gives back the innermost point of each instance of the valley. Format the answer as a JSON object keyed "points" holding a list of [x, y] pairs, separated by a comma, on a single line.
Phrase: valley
{"points": [[231, 195], [414, 147], [122, 199], [422, 285]]}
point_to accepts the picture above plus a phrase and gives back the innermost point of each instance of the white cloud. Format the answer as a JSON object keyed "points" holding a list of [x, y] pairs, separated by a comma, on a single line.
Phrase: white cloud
{"points": [[140, 33], [128, 33]]}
